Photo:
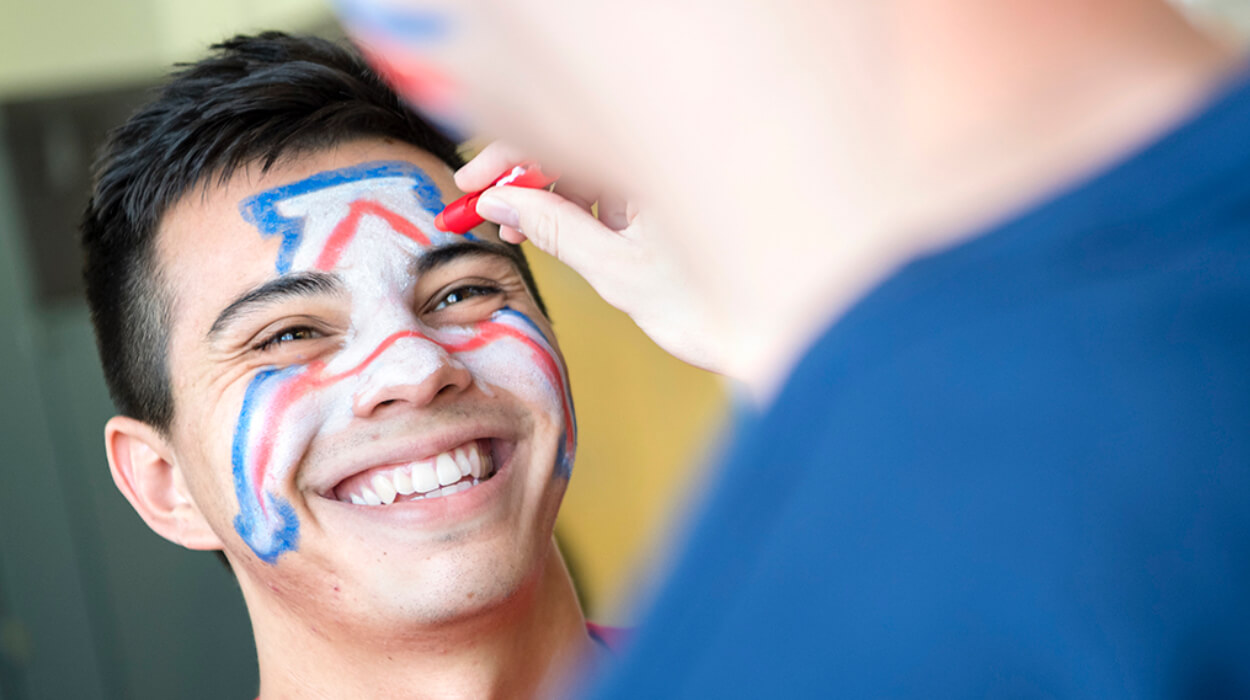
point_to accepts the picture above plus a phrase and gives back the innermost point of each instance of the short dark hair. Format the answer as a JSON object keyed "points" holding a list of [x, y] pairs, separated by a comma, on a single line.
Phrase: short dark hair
{"points": [[253, 100]]}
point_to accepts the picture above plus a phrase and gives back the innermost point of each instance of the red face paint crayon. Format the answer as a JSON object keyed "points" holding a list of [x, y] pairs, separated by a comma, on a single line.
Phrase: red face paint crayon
{"points": [[461, 215]]}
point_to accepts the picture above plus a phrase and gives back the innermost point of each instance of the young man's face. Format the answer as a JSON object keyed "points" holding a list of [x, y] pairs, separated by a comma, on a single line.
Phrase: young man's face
{"points": [[371, 414]]}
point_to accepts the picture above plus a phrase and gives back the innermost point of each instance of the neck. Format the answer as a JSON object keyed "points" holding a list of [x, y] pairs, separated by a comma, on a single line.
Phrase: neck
{"points": [[975, 109], [514, 649]]}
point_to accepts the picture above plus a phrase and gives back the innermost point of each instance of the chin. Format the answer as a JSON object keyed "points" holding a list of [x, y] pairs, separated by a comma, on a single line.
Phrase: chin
{"points": [[415, 590], [422, 562]]}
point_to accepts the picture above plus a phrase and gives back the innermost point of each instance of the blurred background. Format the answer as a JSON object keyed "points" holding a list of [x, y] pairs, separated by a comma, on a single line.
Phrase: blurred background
{"points": [[92, 604]]}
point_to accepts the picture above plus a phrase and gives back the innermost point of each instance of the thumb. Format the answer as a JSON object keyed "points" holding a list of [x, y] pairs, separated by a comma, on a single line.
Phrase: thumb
{"points": [[553, 224]]}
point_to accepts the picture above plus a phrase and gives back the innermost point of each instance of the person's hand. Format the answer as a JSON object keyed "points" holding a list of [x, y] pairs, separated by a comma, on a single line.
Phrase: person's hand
{"points": [[619, 253]]}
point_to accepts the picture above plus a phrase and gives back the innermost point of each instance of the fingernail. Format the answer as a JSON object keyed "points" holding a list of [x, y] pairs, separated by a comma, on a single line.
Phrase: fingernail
{"points": [[497, 210]]}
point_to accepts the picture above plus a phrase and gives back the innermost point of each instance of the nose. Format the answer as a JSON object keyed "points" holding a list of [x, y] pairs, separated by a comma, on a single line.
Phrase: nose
{"points": [[412, 371]]}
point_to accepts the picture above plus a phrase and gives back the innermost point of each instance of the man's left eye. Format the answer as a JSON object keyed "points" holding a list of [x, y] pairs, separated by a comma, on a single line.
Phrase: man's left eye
{"points": [[460, 294], [286, 335]]}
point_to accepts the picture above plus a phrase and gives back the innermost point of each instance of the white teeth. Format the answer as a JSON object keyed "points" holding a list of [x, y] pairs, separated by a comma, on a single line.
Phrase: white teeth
{"points": [[448, 472], [441, 476], [424, 478], [403, 481], [449, 490], [384, 488], [462, 461]]}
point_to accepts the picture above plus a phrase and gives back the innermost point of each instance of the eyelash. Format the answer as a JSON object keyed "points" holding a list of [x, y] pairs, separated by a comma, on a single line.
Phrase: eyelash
{"points": [[465, 292], [468, 291], [279, 338]]}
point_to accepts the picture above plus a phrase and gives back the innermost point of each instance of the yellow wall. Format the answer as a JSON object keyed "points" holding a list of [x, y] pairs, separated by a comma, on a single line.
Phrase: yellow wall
{"points": [[643, 418]]}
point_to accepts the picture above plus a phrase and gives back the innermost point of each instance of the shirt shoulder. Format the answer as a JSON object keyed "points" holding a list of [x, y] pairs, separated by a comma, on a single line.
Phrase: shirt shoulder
{"points": [[1016, 467]]}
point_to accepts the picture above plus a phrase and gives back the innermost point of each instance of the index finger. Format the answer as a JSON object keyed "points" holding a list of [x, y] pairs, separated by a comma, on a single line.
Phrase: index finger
{"points": [[494, 160]]}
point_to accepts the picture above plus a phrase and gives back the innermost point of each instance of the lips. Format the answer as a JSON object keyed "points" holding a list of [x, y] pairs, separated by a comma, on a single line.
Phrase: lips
{"points": [[443, 474]]}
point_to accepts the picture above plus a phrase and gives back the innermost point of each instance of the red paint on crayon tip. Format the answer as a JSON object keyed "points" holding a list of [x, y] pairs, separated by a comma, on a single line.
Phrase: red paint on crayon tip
{"points": [[461, 215]]}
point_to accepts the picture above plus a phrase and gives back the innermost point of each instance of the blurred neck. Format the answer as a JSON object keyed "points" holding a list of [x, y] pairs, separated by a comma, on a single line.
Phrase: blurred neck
{"points": [[973, 109]]}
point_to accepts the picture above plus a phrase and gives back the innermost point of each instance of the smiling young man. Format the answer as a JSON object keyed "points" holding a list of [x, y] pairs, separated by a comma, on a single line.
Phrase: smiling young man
{"points": [[368, 416]]}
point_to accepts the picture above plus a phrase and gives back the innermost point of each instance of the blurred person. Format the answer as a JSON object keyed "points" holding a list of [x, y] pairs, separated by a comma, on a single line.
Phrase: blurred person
{"points": [[369, 417], [983, 272]]}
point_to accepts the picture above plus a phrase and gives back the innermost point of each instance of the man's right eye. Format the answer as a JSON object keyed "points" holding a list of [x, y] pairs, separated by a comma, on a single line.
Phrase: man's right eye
{"points": [[286, 335]]}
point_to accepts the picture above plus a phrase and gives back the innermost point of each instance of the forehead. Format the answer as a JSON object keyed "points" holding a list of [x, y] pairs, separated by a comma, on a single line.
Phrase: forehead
{"points": [[210, 245], [319, 217]]}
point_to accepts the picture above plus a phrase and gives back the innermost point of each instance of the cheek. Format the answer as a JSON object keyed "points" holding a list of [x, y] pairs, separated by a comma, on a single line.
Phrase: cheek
{"points": [[519, 369], [510, 351], [291, 427], [281, 413]]}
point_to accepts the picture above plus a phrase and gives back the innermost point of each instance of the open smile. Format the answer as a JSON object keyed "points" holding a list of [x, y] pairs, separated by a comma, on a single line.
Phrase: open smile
{"points": [[450, 472]]}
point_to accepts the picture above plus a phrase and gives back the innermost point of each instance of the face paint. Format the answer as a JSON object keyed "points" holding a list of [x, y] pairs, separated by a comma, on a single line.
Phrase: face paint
{"points": [[508, 323], [401, 42], [367, 224]]}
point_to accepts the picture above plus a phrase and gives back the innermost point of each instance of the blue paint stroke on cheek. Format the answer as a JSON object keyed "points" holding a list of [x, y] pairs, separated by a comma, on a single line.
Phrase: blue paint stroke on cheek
{"points": [[509, 311], [272, 528], [568, 445], [262, 212]]}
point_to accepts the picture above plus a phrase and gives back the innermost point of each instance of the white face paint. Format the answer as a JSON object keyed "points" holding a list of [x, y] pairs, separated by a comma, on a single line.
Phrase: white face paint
{"points": [[366, 225]]}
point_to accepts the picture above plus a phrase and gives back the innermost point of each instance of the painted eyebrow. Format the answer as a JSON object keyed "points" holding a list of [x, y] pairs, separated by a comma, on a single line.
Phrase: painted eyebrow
{"points": [[296, 284], [441, 256]]}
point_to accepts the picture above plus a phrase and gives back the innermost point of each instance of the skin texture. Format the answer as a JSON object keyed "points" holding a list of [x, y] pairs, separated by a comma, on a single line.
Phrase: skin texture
{"points": [[382, 360]]}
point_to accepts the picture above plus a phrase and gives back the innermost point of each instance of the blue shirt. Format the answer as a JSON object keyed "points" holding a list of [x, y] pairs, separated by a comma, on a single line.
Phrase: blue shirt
{"points": [[1018, 468]]}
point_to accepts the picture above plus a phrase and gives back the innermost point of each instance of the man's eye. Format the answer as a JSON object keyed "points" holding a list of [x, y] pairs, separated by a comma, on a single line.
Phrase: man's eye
{"points": [[459, 294], [286, 335]]}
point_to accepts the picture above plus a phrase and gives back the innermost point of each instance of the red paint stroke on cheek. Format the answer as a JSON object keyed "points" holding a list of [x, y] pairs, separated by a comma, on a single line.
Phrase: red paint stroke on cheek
{"points": [[345, 231], [293, 391], [288, 394], [492, 331]]}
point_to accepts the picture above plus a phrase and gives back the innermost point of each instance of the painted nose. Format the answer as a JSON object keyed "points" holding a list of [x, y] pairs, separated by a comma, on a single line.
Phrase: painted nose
{"points": [[413, 371]]}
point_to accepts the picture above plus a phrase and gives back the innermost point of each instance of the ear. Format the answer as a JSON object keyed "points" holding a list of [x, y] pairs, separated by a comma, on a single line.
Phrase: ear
{"points": [[145, 471]]}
